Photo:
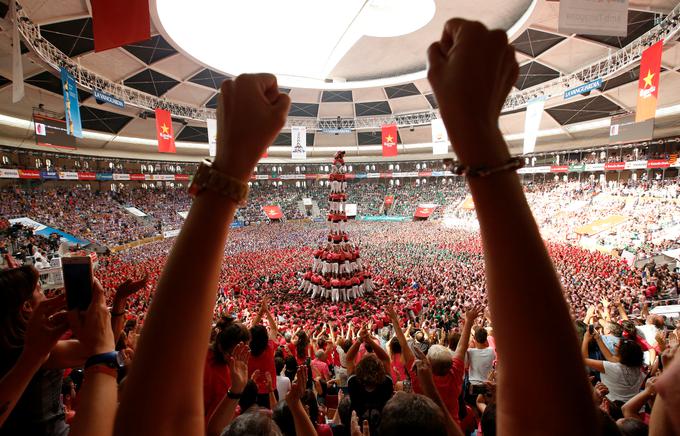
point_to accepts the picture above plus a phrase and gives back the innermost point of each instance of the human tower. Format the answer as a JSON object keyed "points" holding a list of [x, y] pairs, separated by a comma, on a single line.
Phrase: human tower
{"points": [[338, 272]]}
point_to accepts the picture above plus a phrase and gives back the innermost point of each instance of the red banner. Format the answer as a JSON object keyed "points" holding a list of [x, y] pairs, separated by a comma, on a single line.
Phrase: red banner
{"points": [[389, 200], [84, 175], [137, 177], [658, 163], [614, 166], [180, 177], [559, 168], [273, 212], [424, 212], [648, 85], [386, 175], [29, 174], [389, 140], [164, 133], [424, 173], [120, 22]]}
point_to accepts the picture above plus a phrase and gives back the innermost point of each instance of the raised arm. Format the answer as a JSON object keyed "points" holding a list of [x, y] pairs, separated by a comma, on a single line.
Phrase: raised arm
{"points": [[464, 342], [251, 113], [406, 351], [379, 352], [238, 368], [603, 348], [123, 292], [351, 356], [471, 71]]}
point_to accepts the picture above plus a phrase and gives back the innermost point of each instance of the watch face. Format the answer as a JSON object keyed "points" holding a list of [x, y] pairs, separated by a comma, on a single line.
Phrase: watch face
{"points": [[120, 360]]}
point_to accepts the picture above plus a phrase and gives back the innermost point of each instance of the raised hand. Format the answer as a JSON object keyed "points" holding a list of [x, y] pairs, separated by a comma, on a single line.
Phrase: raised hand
{"points": [[472, 70], [298, 387], [355, 429], [93, 326], [251, 112], [130, 287], [391, 313], [238, 366], [47, 324], [472, 314]]}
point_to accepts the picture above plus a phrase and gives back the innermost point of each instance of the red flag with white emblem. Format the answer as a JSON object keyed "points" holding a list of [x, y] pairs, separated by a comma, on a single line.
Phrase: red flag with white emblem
{"points": [[648, 85], [164, 133], [273, 212], [389, 140]]}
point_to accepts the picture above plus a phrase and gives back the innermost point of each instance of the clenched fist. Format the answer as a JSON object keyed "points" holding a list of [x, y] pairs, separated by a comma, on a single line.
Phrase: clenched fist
{"points": [[472, 70], [250, 114]]}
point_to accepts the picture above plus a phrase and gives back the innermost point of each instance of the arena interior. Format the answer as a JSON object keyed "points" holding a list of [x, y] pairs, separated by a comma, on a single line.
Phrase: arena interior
{"points": [[379, 220]]}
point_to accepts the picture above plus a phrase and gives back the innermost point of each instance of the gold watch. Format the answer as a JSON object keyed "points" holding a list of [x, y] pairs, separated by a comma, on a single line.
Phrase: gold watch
{"points": [[207, 177]]}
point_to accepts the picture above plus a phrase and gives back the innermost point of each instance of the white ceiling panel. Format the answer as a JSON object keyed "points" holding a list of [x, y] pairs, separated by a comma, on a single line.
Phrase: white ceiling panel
{"points": [[571, 54], [189, 93], [329, 110], [411, 103], [302, 95], [177, 66], [115, 65]]}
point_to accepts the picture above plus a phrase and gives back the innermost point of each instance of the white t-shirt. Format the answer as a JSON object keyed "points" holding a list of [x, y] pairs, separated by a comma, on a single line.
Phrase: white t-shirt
{"points": [[480, 361], [622, 381], [283, 386]]}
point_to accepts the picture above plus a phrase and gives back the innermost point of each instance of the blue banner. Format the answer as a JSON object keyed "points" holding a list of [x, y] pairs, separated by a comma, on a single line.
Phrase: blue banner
{"points": [[103, 97], [71, 107], [360, 176], [70, 239], [236, 224], [595, 84], [49, 175], [104, 176]]}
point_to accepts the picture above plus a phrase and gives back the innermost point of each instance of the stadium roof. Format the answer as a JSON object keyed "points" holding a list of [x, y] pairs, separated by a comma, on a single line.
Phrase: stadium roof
{"points": [[366, 80]]}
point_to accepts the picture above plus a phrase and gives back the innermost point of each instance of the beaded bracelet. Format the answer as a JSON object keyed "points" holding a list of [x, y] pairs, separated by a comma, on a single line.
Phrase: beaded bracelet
{"points": [[513, 164]]}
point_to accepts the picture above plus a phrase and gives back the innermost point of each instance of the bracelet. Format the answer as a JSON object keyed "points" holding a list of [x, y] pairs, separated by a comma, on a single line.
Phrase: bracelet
{"points": [[513, 164], [102, 369]]}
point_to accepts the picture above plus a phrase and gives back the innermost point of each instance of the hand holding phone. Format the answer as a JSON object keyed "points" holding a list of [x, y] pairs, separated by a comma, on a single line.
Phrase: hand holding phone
{"points": [[78, 278]]}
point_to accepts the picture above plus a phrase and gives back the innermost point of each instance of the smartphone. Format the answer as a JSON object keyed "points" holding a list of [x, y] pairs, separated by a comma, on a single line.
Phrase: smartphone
{"points": [[78, 279], [591, 329]]}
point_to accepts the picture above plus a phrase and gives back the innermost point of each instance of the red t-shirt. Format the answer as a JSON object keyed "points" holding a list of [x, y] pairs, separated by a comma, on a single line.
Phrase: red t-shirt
{"points": [[216, 383], [321, 368], [449, 386], [265, 363]]}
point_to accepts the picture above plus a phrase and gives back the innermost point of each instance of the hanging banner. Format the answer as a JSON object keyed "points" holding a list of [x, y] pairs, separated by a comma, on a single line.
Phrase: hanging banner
{"points": [[594, 17], [440, 139], [164, 133], [71, 107], [298, 137], [17, 64], [623, 129], [648, 85], [212, 135], [118, 23], [389, 140], [532, 123]]}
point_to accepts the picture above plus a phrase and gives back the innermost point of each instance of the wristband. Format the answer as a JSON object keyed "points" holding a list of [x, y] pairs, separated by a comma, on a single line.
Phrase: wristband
{"points": [[109, 359], [512, 164], [103, 369]]}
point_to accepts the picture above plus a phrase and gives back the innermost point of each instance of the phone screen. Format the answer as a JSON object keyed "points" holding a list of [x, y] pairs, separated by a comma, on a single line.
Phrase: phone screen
{"points": [[78, 285]]}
